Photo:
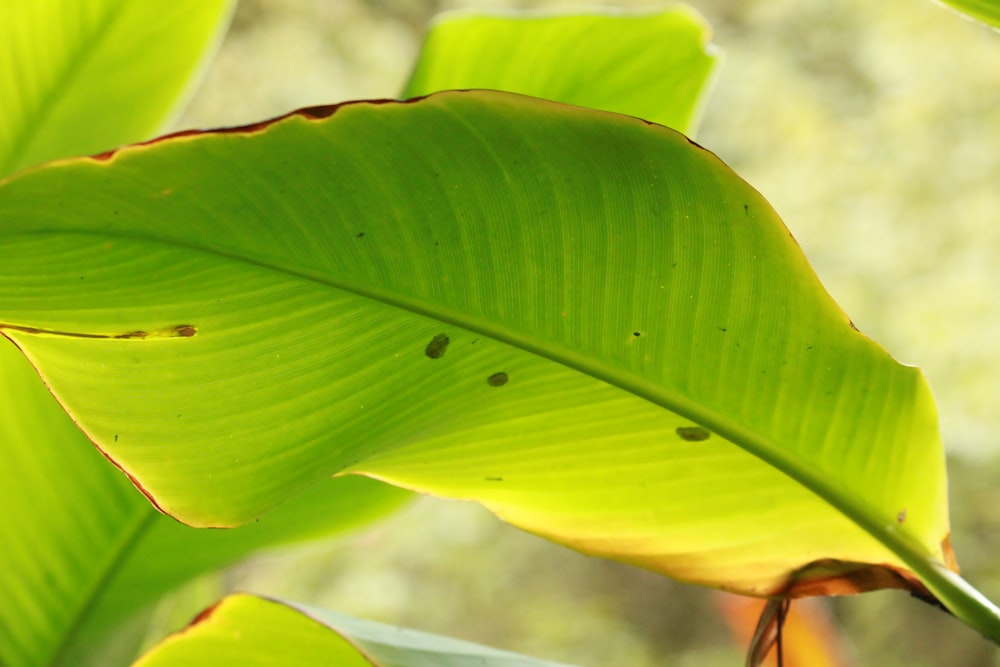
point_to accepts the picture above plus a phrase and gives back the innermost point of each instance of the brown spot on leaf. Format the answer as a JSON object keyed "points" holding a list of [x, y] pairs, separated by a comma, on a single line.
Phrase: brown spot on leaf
{"points": [[181, 330], [204, 615], [693, 433], [901, 517], [829, 576], [438, 346], [497, 379]]}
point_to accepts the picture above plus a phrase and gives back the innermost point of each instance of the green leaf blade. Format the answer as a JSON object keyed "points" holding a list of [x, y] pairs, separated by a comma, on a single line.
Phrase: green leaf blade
{"points": [[821, 471], [656, 65], [84, 551], [247, 630], [69, 68]]}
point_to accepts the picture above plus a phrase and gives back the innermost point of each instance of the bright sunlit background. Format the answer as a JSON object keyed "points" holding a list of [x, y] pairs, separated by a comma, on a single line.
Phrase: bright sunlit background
{"points": [[874, 130]]}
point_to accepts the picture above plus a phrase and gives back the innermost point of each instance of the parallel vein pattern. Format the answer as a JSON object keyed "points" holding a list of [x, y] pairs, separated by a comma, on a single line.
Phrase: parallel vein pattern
{"points": [[620, 310]]}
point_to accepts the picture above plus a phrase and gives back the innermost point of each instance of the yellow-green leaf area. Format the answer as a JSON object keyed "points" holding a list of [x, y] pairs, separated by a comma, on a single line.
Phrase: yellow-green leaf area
{"points": [[245, 630], [680, 392], [258, 632]]}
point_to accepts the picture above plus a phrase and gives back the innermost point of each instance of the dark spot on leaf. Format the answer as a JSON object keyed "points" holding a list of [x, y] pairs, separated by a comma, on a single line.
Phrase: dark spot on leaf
{"points": [[746, 209], [809, 347], [132, 334], [636, 333], [494, 479], [205, 614], [438, 346], [722, 329], [497, 379], [116, 437], [693, 433], [901, 517], [853, 326], [359, 235], [185, 330]]}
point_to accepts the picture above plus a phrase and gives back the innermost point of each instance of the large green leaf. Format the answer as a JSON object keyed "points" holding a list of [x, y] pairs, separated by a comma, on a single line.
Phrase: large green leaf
{"points": [[654, 65], [987, 11], [82, 77], [582, 320], [252, 631], [83, 550]]}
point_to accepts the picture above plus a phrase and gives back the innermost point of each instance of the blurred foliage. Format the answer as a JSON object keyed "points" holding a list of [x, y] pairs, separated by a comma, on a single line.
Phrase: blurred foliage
{"points": [[874, 130]]}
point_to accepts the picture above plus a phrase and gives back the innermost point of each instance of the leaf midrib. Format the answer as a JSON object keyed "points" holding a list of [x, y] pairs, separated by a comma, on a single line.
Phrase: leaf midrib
{"points": [[941, 581]]}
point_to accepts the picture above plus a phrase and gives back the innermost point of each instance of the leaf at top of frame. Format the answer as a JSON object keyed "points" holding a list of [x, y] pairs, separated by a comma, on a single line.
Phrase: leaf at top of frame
{"points": [[656, 65], [82, 77]]}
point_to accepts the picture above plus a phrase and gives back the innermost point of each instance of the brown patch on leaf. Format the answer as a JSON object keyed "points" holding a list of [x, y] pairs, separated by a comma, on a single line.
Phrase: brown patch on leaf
{"points": [[829, 576], [693, 433], [319, 112], [178, 331], [438, 346], [205, 614], [497, 379]]}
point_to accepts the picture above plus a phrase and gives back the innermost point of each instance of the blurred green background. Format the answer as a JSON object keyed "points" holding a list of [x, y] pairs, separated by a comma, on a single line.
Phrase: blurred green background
{"points": [[874, 129]]}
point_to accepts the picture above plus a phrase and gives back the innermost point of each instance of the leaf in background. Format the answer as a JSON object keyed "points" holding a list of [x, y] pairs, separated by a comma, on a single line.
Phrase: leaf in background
{"points": [[986, 11], [244, 630], [653, 65], [640, 363], [81, 77], [83, 550]]}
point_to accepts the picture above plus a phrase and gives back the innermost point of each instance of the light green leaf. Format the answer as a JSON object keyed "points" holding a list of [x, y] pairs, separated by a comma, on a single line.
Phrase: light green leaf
{"points": [[987, 11], [81, 77], [655, 65], [83, 550], [257, 632], [640, 363]]}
